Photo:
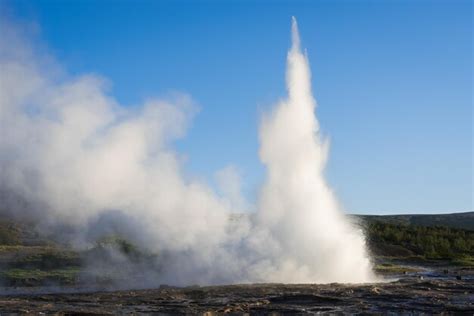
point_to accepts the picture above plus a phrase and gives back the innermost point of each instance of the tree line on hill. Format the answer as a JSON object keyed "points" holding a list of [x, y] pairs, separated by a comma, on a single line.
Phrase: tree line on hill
{"points": [[437, 242]]}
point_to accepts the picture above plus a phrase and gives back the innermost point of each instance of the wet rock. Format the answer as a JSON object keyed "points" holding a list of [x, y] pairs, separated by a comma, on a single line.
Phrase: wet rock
{"points": [[375, 290], [434, 295], [302, 299]]}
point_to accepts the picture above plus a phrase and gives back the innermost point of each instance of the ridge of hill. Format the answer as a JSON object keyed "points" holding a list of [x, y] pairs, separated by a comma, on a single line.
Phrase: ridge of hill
{"points": [[463, 220]]}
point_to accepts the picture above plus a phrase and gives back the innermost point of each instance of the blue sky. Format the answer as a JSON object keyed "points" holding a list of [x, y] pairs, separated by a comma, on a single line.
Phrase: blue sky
{"points": [[393, 80]]}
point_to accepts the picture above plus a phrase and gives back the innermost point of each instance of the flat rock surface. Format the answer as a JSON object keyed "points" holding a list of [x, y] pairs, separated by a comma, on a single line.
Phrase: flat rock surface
{"points": [[428, 292]]}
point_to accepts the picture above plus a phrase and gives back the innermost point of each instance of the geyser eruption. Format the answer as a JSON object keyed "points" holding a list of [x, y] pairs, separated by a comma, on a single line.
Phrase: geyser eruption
{"points": [[314, 241], [71, 156]]}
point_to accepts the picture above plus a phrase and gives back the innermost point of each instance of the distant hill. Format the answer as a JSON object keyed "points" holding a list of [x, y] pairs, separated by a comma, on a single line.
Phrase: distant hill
{"points": [[455, 220]]}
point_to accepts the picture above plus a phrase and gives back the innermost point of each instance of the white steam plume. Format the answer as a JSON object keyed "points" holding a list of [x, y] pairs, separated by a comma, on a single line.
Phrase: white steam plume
{"points": [[69, 154], [313, 239]]}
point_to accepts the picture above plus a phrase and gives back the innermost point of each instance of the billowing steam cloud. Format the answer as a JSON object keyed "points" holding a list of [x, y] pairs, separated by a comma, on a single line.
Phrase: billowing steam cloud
{"points": [[70, 156]]}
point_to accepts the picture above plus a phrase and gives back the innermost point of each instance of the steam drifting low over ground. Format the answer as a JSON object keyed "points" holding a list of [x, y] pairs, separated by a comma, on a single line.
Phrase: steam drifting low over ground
{"points": [[72, 157]]}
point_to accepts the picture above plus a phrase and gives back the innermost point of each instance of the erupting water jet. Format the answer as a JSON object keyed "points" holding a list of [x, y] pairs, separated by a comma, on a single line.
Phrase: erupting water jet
{"points": [[315, 242]]}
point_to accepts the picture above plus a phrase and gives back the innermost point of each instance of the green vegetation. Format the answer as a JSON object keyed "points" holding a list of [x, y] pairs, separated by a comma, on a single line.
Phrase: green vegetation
{"points": [[33, 277], [423, 242], [393, 268], [122, 245], [38, 265], [26, 264], [457, 220], [467, 261], [9, 234], [46, 259]]}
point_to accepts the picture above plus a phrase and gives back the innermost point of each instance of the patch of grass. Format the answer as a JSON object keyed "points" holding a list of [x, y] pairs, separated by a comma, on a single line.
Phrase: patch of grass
{"points": [[34, 277], [38, 257], [467, 261], [390, 268], [119, 243], [9, 233], [20, 248]]}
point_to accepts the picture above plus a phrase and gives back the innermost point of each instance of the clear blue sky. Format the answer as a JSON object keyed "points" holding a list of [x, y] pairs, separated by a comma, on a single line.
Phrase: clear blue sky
{"points": [[393, 80]]}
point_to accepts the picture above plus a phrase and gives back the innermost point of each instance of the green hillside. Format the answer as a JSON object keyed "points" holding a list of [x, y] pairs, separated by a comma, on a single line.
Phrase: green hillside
{"points": [[456, 220], [419, 237]]}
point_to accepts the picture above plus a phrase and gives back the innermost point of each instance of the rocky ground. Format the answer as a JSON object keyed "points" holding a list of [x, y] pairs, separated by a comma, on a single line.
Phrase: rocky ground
{"points": [[426, 291]]}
